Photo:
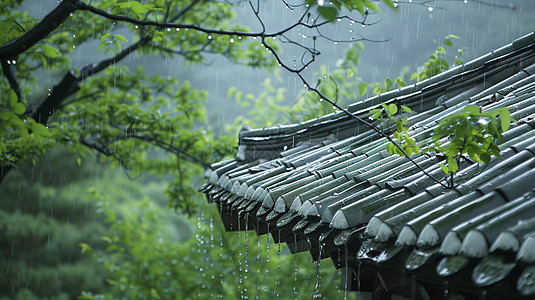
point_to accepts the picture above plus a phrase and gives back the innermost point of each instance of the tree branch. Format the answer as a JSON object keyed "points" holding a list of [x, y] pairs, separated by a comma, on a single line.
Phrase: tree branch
{"points": [[40, 31], [92, 69], [370, 125], [8, 67], [172, 149], [66, 87]]}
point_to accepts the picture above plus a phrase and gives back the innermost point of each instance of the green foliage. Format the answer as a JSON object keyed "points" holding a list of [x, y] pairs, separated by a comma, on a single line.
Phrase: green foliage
{"points": [[41, 224], [331, 9], [390, 115], [47, 210], [470, 132], [144, 261], [436, 63], [146, 124]]}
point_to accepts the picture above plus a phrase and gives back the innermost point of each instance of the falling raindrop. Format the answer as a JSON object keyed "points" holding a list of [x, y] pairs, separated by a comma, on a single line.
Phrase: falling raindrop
{"points": [[239, 262], [277, 282], [317, 293], [346, 279], [295, 266], [246, 245]]}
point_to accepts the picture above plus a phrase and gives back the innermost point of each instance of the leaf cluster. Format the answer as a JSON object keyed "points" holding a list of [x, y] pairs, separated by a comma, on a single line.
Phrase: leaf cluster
{"points": [[435, 65], [470, 132], [391, 115], [330, 10], [144, 260], [146, 124]]}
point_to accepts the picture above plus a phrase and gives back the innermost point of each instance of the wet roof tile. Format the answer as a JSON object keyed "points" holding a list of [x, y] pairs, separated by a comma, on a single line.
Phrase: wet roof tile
{"points": [[329, 181]]}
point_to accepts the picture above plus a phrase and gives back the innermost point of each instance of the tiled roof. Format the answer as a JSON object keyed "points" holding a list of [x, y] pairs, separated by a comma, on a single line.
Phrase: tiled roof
{"points": [[330, 181]]}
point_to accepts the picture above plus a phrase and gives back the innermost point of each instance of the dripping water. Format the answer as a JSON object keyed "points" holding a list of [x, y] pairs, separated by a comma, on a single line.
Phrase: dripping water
{"points": [[346, 271], [277, 282], [295, 266], [267, 253], [246, 253], [258, 260], [221, 242], [240, 269], [317, 293], [211, 224]]}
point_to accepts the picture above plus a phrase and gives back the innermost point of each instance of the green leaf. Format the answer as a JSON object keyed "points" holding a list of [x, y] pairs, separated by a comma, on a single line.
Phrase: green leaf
{"points": [[19, 108], [505, 119], [406, 109], [50, 52], [444, 64], [453, 36], [12, 98], [448, 42], [452, 165], [311, 2], [40, 129], [372, 5], [399, 126], [444, 168], [363, 87], [400, 82], [391, 148], [5, 27], [79, 161], [391, 109], [390, 4], [154, 294], [472, 109], [231, 92], [101, 45], [121, 38], [388, 83], [118, 45], [328, 12], [485, 158]]}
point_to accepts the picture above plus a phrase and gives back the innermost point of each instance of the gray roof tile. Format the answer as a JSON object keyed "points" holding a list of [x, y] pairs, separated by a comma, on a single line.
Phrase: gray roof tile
{"points": [[329, 182]]}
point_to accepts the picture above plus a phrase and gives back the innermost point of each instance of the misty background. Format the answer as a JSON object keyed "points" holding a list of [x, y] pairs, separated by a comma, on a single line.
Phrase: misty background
{"points": [[393, 40]]}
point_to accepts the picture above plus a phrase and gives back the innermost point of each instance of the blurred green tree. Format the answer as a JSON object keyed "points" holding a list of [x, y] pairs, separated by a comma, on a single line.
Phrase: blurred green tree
{"points": [[145, 123]]}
